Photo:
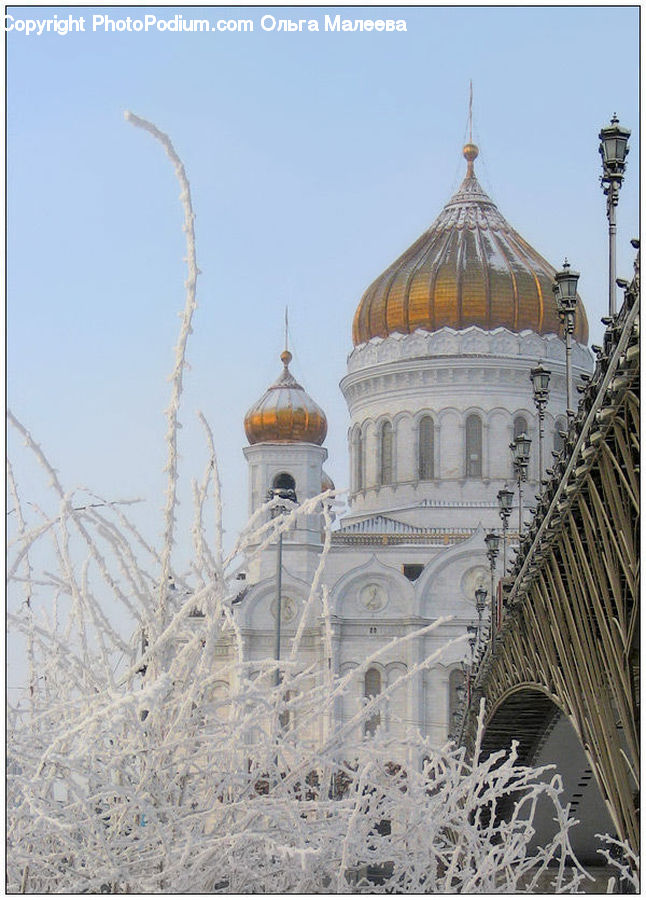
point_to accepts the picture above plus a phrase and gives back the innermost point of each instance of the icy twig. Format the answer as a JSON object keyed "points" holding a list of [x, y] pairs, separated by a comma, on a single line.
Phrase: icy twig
{"points": [[172, 413]]}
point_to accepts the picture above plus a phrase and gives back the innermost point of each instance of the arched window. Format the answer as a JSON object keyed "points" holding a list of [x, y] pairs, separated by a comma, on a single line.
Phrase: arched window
{"points": [[220, 697], [283, 486], [372, 688], [425, 469], [520, 426], [456, 697], [283, 482], [360, 462], [386, 460], [559, 426], [473, 445]]}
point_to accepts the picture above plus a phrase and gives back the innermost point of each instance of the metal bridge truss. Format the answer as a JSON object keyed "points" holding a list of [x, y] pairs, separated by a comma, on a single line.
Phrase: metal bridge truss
{"points": [[570, 631]]}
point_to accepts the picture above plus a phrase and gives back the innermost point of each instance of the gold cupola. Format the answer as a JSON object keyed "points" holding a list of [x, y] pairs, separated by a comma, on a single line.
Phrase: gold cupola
{"points": [[470, 268], [285, 414]]}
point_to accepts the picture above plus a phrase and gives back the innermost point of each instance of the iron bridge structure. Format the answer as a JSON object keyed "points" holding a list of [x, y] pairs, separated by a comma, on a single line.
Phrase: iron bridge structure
{"points": [[566, 644]]}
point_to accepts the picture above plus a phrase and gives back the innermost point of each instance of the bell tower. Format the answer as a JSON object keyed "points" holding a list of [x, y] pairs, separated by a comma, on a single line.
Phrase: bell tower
{"points": [[285, 430]]}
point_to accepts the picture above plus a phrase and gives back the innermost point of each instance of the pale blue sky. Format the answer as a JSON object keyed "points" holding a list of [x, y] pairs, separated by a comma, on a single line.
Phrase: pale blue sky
{"points": [[315, 159]]}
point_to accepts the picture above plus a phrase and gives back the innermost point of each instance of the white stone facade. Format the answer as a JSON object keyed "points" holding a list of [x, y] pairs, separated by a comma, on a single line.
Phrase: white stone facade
{"points": [[448, 376], [304, 463], [411, 549]]}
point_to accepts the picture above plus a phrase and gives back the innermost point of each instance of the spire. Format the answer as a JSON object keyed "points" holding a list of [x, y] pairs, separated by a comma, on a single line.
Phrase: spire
{"points": [[470, 150], [286, 356], [470, 110]]}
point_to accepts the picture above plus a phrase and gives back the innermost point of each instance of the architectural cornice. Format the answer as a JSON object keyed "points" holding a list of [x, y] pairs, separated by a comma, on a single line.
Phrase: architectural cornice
{"points": [[407, 377], [472, 342], [429, 537]]}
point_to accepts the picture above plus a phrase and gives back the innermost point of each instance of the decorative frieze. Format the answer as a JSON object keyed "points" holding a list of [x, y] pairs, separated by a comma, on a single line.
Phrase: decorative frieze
{"points": [[432, 536], [470, 341]]}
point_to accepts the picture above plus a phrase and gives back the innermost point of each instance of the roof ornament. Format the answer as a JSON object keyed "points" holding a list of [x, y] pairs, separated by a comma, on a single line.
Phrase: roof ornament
{"points": [[286, 356], [470, 150], [470, 110]]}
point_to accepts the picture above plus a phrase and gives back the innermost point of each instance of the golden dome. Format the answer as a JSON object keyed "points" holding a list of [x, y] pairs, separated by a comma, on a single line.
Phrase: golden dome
{"points": [[469, 268], [285, 413]]}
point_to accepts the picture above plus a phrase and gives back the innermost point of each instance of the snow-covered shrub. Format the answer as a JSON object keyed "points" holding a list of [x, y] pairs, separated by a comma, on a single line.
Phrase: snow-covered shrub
{"points": [[157, 763]]}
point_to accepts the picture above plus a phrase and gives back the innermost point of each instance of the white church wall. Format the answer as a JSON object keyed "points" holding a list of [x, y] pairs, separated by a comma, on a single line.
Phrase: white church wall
{"points": [[450, 441], [500, 428]]}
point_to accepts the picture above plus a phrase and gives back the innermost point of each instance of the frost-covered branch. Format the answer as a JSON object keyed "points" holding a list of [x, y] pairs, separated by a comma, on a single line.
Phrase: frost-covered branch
{"points": [[194, 775], [176, 378]]}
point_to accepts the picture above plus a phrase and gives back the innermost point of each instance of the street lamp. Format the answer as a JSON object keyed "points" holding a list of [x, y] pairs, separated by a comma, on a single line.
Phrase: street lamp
{"points": [[520, 447], [466, 671], [492, 543], [279, 493], [565, 291], [505, 500], [481, 599], [540, 379], [614, 150], [472, 631]]}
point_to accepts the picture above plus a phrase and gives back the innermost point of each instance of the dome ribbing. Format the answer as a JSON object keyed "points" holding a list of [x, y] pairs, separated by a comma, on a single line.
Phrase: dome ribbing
{"points": [[285, 413], [470, 268]]}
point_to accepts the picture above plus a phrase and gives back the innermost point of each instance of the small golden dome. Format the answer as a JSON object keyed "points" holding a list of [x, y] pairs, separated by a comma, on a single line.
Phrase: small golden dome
{"points": [[285, 413], [326, 482], [470, 268]]}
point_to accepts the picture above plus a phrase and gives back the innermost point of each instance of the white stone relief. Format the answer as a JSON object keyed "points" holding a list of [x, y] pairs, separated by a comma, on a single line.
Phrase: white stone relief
{"points": [[447, 342], [287, 609], [476, 342], [473, 579], [533, 345], [373, 597], [504, 344]]}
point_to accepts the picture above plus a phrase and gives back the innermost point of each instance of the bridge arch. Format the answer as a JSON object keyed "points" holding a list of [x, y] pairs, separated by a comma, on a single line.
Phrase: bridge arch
{"points": [[521, 714], [545, 735]]}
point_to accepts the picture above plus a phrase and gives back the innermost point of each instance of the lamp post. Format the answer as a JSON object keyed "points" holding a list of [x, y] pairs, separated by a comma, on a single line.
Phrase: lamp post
{"points": [[481, 599], [279, 510], [614, 150], [520, 447], [492, 542], [565, 292], [472, 631], [540, 379], [466, 671], [505, 499]]}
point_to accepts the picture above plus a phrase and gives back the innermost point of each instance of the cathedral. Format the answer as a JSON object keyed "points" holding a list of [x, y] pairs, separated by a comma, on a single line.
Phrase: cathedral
{"points": [[437, 386]]}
